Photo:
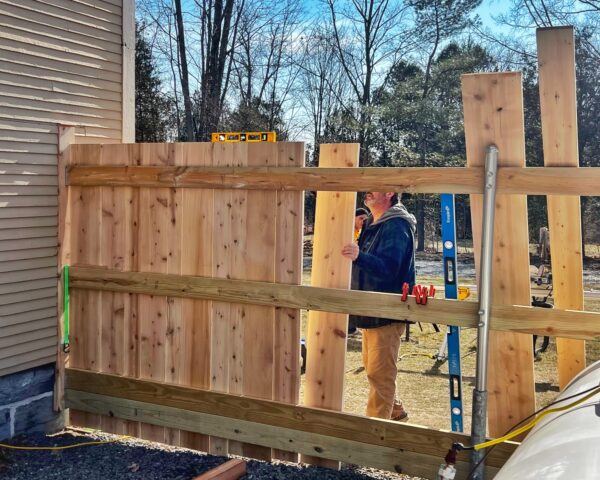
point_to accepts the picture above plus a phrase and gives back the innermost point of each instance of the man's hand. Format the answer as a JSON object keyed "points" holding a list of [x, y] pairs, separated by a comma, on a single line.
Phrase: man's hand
{"points": [[350, 251]]}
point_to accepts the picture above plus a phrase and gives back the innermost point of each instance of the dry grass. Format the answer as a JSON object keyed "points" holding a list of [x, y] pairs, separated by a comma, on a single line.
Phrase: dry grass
{"points": [[423, 385]]}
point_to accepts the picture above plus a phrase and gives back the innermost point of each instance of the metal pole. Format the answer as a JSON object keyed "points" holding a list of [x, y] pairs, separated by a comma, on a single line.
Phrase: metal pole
{"points": [[478, 428]]}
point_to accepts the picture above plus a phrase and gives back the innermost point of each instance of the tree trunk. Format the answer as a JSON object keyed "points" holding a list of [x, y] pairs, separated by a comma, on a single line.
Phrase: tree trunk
{"points": [[185, 83]]}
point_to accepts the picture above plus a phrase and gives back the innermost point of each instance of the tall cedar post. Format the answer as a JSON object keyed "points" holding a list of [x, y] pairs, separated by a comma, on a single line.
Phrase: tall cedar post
{"points": [[327, 332], [493, 108], [558, 104]]}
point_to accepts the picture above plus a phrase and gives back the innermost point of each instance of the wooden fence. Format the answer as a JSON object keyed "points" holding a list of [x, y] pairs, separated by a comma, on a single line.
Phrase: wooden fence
{"points": [[186, 273]]}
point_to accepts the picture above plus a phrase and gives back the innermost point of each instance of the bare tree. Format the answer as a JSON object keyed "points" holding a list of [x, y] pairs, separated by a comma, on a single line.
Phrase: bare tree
{"points": [[265, 67], [219, 25], [324, 86], [185, 78], [369, 35]]}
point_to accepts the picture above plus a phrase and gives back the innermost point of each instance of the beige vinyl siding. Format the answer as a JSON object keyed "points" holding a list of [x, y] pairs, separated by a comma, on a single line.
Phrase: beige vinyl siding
{"points": [[61, 62]]}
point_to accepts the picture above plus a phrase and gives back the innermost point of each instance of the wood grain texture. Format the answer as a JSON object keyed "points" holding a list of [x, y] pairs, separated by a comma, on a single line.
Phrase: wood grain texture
{"points": [[515, 318], [327, 332], [511, 180], [154, 256], [288, 269], [86, 312], [196, 259], [337, 425], [221, 324], [256, 261], [558, 105], [119, 242], [318, 444], [493, 110], [230, 470]]}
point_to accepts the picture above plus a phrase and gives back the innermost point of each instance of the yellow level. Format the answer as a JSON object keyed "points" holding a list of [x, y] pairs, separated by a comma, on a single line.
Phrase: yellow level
{"points": [[250, 137]]}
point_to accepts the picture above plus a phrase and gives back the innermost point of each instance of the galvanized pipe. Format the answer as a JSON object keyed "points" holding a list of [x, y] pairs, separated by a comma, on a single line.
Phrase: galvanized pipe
{"points": [[478, 427]]}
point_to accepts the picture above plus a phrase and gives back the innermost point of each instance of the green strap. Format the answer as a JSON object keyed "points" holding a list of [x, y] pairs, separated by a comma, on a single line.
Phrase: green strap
{"points": [[66, 307]]}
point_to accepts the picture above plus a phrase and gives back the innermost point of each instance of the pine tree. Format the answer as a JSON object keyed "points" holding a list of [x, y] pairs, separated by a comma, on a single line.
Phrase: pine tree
{"points": [[153, 108]]}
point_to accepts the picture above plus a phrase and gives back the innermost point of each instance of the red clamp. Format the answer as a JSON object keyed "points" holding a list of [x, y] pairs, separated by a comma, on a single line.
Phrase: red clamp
{"points": [[424, 296], [431, 291], [405, 288]]}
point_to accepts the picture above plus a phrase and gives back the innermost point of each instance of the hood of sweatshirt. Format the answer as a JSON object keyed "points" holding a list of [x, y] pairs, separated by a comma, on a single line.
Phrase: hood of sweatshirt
{"points": [[398, 211]]}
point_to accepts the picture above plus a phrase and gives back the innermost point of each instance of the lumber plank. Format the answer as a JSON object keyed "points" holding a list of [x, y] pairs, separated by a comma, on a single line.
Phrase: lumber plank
{"points": [[288, 269], [118, 324], [66, 137], [457, 180], [322, 446], [220, 348], [326, 335], [558, 105], [85, 321], [493, 111], [254, 259], [153, 250], [516, 318], [196, 259], [340, 426], [230, 470], [174, 335]]}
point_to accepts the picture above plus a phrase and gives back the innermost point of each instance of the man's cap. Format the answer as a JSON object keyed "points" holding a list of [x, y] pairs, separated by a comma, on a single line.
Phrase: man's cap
{"points": [[361, 211]]}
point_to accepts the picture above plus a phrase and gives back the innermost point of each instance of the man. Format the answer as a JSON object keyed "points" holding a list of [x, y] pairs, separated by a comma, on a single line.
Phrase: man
{"points": [[383, 260]]}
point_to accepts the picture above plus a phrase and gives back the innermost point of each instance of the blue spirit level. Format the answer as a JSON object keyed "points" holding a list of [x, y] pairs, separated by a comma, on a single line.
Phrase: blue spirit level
{"points": [[451, 292]]}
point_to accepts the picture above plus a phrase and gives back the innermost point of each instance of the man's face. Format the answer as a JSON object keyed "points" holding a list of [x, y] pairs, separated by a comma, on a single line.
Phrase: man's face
{"points": [[377, 199]]}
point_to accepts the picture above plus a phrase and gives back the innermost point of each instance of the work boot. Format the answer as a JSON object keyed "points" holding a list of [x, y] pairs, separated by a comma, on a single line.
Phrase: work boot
{"points": [[399, 414]]}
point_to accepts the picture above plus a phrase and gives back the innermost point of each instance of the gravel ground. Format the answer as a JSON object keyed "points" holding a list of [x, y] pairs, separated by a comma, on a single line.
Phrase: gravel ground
{"points": [[131, 458]]}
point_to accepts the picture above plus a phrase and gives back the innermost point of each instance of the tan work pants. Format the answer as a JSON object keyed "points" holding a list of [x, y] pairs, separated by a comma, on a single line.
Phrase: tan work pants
{"points": [[380, 348]]}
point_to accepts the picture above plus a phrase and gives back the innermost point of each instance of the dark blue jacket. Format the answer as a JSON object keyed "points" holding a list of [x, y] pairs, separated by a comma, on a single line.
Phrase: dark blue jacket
{"points": [[386, 259]]}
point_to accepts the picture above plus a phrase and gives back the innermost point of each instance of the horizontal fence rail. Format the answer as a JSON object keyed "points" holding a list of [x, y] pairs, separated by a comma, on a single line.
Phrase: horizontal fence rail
{"points": [[515, 318], [457, 180], [385, 444]]}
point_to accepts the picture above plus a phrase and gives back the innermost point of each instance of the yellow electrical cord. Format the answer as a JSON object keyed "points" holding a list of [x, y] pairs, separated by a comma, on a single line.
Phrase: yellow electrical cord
{"points": [[65, 447], [534, 421]]}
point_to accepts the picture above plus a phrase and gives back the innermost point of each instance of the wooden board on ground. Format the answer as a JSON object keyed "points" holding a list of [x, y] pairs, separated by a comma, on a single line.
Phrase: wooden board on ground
{"points": [[327, 332], [230, 470], [558, 105], [493, 111]]}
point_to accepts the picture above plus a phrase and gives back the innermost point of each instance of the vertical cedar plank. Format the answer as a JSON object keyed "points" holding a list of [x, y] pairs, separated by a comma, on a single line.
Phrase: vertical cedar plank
{"points": [[257, 262], [220, 316], [174, 341], [86, 250], [493, 109], [66, 137], [196, 259], [155, 218], [288, 269], [326, 338], [118, 206], [558, 104], [237, 155]]}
